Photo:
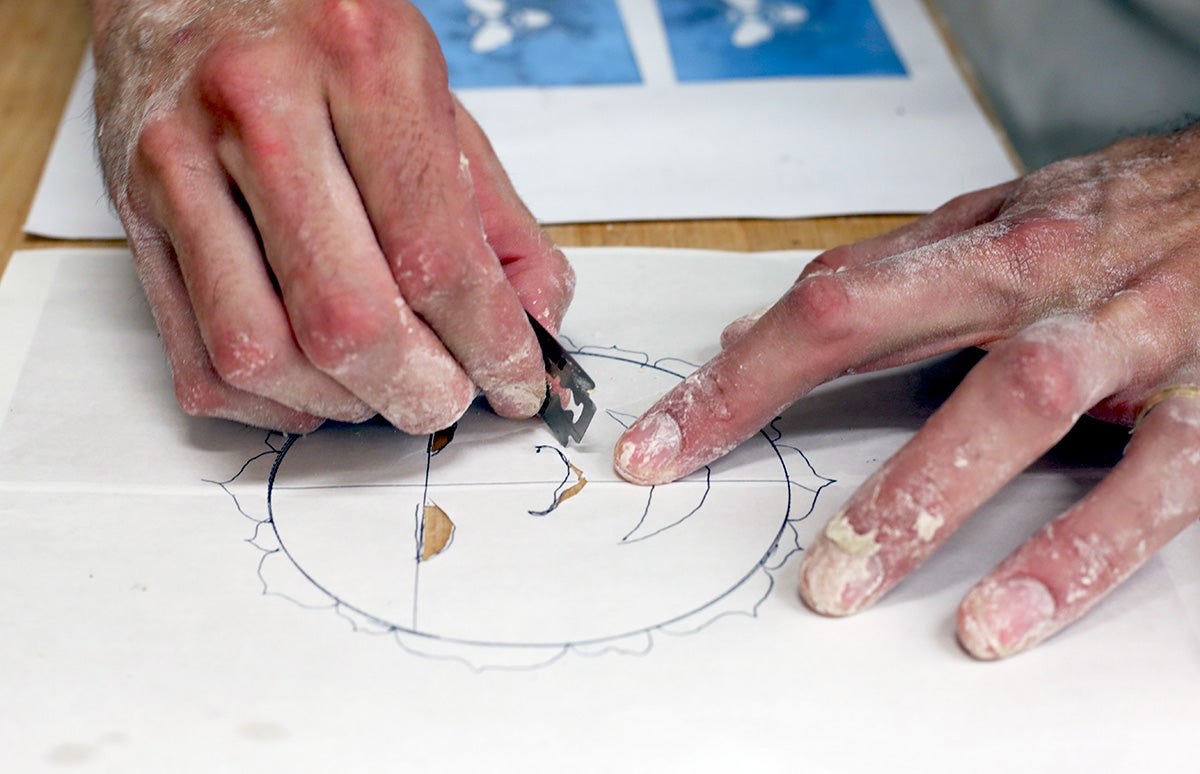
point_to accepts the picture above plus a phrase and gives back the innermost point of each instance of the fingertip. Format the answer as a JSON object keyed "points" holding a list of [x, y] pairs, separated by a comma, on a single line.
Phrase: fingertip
{"points": [[516, 384], [363, 413], [517, 401], [432, 408], [998, 619], [280, 419], [648, 451], [836, 580], [304, 424]]}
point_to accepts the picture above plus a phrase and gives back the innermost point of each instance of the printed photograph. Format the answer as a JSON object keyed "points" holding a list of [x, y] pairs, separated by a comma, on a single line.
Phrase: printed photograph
{"points": [[714, 40], [495, 43]]}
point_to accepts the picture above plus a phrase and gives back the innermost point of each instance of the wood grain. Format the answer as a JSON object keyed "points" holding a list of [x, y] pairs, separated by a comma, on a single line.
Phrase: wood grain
{"points": [[41, 43]]}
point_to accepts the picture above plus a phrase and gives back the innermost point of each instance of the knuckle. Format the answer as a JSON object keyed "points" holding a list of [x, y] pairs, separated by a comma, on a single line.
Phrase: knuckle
{"points": [[357, 33], [707, 396], [335, 331], [231, 78], [201, 395], [241, 361], [1021, 257], [168, 163], [1043, 379], [822, 306], [355, 23], [1041, 234], [351, 31], [350, 18], [239, 85], [720, 396], [157, 149], [431, 272], [357, 27]]}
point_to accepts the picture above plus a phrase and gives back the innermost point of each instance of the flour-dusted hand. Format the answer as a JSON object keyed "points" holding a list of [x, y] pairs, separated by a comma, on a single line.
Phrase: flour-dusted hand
{"points": [[321, 229], [1083, 281]]}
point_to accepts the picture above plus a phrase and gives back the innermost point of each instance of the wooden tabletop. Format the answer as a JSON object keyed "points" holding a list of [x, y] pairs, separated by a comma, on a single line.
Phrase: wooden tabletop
{"points": [[40, 48]]}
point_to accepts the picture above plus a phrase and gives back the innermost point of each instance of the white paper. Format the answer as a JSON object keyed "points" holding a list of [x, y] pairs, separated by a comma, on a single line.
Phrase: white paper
{"points": [[71, 202], [156, 620], [660, 149]]}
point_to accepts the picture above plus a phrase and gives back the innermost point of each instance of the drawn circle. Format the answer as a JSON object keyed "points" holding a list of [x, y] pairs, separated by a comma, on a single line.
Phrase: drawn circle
{"points": [[615, 560]]}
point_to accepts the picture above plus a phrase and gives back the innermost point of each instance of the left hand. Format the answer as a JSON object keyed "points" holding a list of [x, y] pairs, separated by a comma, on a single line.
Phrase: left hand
{"points": [[1083, 281]]}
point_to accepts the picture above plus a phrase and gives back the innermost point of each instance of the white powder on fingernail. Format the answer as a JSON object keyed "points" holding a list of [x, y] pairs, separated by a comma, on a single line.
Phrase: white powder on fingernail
{"points": [[928, 526], [843, 535]]}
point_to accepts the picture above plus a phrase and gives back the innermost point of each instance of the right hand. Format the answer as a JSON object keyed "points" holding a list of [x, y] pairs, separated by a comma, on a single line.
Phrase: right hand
{"points": [[322, 231]]}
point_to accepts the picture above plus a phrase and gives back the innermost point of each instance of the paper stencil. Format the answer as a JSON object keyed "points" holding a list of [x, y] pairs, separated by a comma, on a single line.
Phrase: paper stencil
{"points": [[499, 548], [531, 43], [720, 39], [415, 604]]}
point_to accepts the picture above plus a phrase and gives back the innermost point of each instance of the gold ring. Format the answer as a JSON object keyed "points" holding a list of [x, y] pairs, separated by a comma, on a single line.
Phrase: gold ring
{"points": [[1174, 391]]}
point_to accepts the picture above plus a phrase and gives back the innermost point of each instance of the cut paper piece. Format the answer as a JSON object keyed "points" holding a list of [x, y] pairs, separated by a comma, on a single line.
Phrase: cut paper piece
{"points": [[153, 607], [441, 439], [566, 490], [437, 530], [624, 577]]}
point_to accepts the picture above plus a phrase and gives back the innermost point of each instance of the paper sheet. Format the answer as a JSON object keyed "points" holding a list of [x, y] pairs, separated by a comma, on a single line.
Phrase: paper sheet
{"points": [[163, 615], [656, 109]]}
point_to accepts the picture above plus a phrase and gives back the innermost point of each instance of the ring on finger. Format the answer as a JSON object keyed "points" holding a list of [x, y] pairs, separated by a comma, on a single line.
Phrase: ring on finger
{"points": [[1173, 391]]}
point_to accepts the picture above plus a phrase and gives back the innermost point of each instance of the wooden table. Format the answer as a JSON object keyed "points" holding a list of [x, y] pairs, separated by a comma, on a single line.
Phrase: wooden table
{"points": [[41, 42]]}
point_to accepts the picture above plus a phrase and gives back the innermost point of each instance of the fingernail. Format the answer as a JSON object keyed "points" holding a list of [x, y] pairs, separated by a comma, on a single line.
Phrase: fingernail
{"points": [[517, 401], [1001, 619], [837, 582], [647, 448]]}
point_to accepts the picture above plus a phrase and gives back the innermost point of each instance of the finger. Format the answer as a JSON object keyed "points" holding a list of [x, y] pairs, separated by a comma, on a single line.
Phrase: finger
{"points": [[961, 213], [198, 389], [740, 327], [828, 324], [1075, 561], [396, 127], [537, 270], [241, 319], [345, 309], [1015, 404]]}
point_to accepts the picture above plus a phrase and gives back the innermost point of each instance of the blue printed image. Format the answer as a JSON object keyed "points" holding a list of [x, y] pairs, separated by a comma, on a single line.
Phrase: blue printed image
{"points": [[714, 40], [489, 43]]}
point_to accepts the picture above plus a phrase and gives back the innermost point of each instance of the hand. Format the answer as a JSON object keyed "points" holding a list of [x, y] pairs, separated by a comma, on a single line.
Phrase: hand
{"points": [[321, 229], [1082, 280]]}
